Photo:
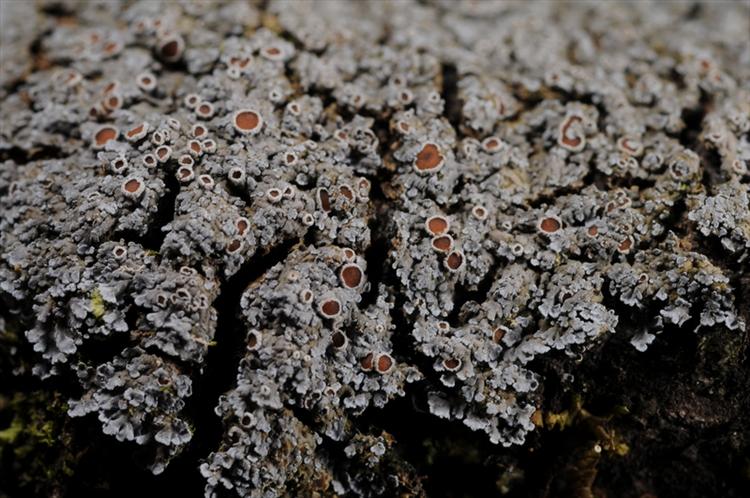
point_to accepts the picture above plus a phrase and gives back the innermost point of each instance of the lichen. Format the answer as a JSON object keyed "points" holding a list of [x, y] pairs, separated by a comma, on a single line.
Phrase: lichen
{"points": [[450, 196]]}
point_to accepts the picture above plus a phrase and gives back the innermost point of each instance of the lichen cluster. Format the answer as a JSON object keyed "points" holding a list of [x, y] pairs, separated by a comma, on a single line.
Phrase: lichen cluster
{"points": [[529, 179]]}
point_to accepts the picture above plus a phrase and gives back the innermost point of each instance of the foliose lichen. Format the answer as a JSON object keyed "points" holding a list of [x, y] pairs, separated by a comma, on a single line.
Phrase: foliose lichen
{"points": [[519, 179]]}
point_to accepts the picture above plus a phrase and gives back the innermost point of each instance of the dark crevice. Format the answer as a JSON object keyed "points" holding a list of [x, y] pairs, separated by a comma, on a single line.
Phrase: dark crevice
{"points": [[738, 273], [402, 340], [57, 9], [690, 138], [99, 350], [380, 271], [241, 192], [464, 294], [711, 166], [21, 156], [695, 11], [17, 355], [452, 109], [457, 189], [377, 258], [693, 121], [625, 182], [676, 221], [439, 450], [221, 363], [377, 254], [165, 212]]}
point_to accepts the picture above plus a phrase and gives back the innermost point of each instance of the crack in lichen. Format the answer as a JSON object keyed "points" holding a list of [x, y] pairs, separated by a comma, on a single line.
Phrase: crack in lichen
{"points": [[452, 110], [224, 356], [21, 157], [165, 213]]}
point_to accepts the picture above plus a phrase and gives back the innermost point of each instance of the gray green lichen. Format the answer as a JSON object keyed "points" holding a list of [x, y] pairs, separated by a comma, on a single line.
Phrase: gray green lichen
{"points": [[529, 170]]}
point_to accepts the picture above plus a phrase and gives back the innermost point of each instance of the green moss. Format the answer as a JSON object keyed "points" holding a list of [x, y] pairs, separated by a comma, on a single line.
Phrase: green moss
{"points": [[566, 418], [9, 435], [39, 442], [598, 427], [619, 448], [559, 420]]}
